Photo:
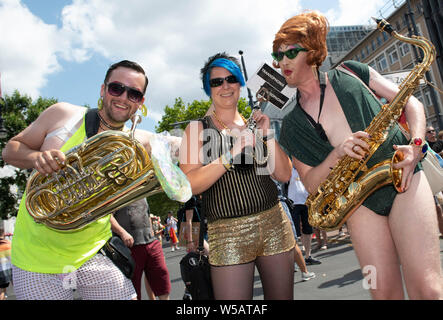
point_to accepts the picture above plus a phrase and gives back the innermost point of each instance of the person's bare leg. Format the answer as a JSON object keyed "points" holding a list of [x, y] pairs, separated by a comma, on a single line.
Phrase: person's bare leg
{"points": [[277, 276], [151, 295], [306, 240], [414, 228], [233, 282], [299, 260], [376, 253]]}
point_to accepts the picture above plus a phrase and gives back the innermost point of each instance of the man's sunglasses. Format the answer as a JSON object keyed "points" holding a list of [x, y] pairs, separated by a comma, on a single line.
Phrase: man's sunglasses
{"points": [[217, 82], [116, 89], [291, 54], [430, 131]]}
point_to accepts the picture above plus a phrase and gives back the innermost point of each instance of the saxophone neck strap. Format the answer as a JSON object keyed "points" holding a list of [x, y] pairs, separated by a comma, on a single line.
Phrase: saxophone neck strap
{"points": [[322, 80], [316, 124], [92, 122]]}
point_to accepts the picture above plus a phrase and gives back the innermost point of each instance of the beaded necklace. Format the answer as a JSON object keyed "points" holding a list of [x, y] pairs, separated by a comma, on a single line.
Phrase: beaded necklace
{"points": [[107, 125]]}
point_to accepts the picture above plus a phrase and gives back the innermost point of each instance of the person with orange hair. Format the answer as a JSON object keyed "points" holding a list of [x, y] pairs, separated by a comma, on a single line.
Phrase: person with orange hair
{"points": [[394, 234]]}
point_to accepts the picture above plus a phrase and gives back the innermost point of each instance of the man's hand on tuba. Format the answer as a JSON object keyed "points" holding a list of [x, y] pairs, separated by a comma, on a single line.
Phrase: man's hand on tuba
{"points": [[49, 161]]}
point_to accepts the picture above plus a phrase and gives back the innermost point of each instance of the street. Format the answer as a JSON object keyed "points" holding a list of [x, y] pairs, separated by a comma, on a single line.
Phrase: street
{"points": [[337, 278]]}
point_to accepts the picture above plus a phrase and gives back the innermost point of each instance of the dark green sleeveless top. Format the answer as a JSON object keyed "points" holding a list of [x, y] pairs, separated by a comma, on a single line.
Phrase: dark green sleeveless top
{"points": [[299, 139], [238, 192]]}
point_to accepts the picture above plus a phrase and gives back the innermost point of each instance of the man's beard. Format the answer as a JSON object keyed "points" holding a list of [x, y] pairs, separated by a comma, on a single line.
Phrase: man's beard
{"points": [[113, 117]]}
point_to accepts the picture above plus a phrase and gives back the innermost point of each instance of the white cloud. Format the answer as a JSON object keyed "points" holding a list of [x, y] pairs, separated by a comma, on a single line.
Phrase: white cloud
{"points": [[171, 39], [28, 49], [354, 12], [8, 171]]}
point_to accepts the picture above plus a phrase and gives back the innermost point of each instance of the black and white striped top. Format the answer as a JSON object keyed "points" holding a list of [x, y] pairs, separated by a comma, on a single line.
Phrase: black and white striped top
{"points": [[239, 192]]}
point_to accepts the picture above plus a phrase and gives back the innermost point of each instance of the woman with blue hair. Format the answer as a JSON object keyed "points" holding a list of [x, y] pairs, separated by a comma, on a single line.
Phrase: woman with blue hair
{"points": [[247, 225]]}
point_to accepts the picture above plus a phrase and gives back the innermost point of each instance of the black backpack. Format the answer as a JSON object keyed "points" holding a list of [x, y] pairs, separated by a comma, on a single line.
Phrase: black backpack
{"points": [[196, 271], [196, 274]]}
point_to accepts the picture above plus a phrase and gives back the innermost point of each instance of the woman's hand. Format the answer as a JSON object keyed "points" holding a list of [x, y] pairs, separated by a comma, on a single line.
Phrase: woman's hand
{"points": [[262, 120], [190, 246], [354, 146], [411, 156], [245, 139]]}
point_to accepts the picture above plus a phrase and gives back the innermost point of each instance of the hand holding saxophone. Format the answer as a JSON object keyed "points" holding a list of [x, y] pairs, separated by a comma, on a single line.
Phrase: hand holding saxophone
{"points": [[354, 146], [49, 161], [411, 156]]}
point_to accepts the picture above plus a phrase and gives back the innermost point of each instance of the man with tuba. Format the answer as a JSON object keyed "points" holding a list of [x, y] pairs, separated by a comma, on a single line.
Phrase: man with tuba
{"points": [[47, 263], [391, 231]]}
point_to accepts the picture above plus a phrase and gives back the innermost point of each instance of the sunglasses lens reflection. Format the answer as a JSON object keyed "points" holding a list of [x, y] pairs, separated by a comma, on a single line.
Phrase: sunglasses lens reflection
{"points": [[216, 82], [117, 89]]}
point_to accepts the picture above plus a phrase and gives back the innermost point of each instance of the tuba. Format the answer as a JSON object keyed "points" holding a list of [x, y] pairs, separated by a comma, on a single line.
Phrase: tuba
{"points": [[100, 176], [341, 193]]}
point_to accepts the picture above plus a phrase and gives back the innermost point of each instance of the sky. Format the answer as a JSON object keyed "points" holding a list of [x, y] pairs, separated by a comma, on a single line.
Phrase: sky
{"points": [[62, 48]]}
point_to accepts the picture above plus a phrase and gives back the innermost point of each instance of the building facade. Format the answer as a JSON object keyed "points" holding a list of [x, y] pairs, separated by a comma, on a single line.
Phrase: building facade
{"points": [[395, 59]]}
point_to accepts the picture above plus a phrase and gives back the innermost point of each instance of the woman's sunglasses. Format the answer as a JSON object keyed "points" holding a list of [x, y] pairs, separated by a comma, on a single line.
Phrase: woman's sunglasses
{"points": [[291, 54], [116, 89], [217, 82]]}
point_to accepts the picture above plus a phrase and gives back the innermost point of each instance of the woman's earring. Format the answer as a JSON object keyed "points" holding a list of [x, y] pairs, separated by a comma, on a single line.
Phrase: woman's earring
{"points": [[275, 64], [144, 110], [100, 103]]}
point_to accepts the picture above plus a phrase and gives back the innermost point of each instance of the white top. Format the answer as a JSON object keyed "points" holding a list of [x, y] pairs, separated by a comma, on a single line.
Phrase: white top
{"points": [[66, 132], [296, 189]]}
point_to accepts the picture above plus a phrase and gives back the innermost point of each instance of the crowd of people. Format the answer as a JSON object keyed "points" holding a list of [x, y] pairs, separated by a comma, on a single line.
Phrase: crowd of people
{"points": [[235, 166]]}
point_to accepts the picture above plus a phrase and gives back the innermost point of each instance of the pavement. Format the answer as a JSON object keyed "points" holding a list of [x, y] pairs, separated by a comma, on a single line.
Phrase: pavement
{"points": [[337, 278]]}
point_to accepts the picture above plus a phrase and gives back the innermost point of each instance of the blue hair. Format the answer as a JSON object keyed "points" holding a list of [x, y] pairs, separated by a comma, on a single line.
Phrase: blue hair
{"points": [[229, 65]]}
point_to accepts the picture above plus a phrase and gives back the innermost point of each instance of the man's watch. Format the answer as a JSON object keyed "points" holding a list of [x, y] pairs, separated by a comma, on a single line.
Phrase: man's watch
{"points": [[419, 143]]}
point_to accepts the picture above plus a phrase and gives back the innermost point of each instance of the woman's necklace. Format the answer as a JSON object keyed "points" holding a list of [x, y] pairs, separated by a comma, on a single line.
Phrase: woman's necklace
{"points": [[265, 159], [107, 125], [223, 124]]}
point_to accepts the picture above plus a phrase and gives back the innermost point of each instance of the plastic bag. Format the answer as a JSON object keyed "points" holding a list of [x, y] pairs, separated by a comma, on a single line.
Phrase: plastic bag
{"points": [[173, 181]]}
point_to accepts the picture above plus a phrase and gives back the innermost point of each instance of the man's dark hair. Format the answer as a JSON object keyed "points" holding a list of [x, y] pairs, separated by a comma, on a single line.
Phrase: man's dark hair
{"points": [[130, 65]]}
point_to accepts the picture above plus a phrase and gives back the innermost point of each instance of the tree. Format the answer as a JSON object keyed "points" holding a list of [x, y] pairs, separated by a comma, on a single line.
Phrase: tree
{"points": [[18, 112], [195, 110]]}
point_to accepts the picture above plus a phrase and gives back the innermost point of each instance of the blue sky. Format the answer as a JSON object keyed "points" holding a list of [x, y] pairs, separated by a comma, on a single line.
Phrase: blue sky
{"points": [[62, 48]]}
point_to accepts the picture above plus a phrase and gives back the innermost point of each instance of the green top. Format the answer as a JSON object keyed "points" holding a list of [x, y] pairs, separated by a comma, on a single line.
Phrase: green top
{"points": [[300, 140], [38, 248]]}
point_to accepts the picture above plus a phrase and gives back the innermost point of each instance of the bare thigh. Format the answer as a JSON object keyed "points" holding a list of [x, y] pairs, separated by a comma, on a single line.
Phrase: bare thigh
{"points": [[376, 253], [414, 227]]}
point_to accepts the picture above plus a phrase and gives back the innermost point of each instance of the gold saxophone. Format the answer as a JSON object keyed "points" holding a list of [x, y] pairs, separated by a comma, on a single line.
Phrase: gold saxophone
{"points": [[103, 174], [341, 194]]}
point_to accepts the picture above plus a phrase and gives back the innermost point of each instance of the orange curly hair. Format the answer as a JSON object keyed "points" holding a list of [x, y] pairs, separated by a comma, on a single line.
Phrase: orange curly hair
{"points": [[308, 29]]}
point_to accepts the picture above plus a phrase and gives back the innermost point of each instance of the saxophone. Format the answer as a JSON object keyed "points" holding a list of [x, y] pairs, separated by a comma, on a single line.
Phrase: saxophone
{"points": [[341, 193], [100, 176]]}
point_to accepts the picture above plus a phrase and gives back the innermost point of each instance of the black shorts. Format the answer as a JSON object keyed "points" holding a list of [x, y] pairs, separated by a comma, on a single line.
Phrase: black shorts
{"points": [[300, 213]]}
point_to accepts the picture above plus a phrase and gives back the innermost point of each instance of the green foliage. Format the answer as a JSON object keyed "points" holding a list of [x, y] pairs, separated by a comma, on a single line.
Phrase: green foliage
{"points": [[17, 114], [195, 110], [160, 204]]}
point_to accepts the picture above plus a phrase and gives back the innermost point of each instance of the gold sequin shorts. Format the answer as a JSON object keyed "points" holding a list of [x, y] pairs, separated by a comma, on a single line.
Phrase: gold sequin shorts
{"points": [[241, 240]]}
